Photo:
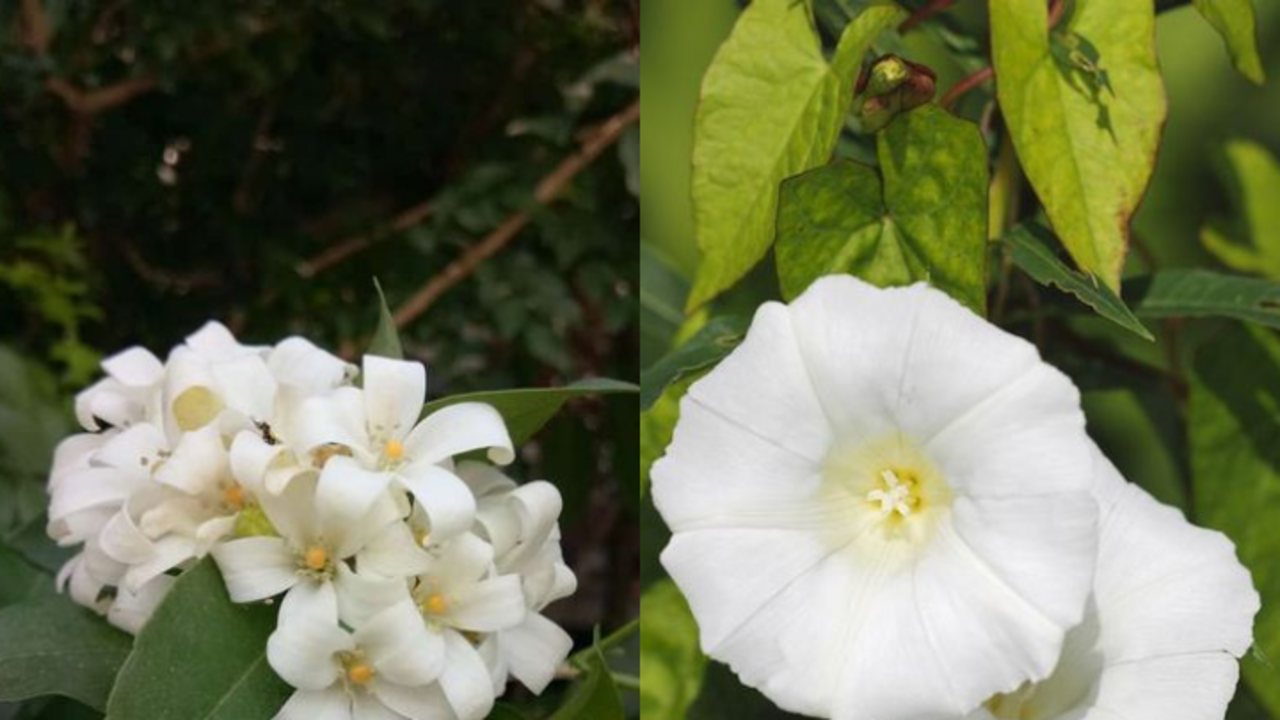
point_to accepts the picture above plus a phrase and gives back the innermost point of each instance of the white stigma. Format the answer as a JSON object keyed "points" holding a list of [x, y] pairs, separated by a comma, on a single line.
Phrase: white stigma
{"points": [[895, 496]]}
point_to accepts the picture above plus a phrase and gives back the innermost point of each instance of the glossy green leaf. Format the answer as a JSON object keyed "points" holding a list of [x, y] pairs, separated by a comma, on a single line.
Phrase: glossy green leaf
{"points": [[19, 580], [32, 541], [772, 107], [662, 294], [1252, 242], [502, 711], [1233, 416], [385, 341], [671, 665], [201, 657], [1085, 112], [594, 696], [707, 347], [51, 646], [927, 220], [527, 411], [1236, 23], [1204, 293], [1030, 247]]}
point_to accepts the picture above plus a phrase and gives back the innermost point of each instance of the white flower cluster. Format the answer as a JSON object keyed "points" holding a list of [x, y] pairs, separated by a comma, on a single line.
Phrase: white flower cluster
{"points": [[413, 583], [885, 508]]}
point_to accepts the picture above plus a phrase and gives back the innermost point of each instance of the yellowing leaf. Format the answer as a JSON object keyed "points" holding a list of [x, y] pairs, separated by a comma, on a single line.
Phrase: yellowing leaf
{"points": [[1084, 110], [772, 107], [1235, 22]]}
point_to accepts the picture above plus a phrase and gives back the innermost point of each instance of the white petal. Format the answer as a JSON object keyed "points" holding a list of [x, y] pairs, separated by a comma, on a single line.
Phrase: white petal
{"points": [[1178, 687], [250, 458], [338, 417], [447, 500], [538, 504], [457, 429], [303, 652], [367, 706], [292, 511], [214, 342], [345, 494], [246, 385], [93, 488], [122, 540], [465, 680], [363, 595], [135, 366], [134, 449], [489, 605], [483, 479], [328, 704], [197, 464], [394, 391], [256, 568], [1165, 586], [130, 611], [170, 552], [310, 601], [73, 454], [463, 560], [394, 553], [401, 649], [718, 474], [417, 703], [534, 649], [764, 387], [296, 362]]}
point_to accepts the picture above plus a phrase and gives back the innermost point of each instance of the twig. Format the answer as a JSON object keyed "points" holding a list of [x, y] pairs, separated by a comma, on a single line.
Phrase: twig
{"points": [[547, 190], [965, 85], [93, 102], [924, 13], [343, 249], [626, 682], [1055, 12]]}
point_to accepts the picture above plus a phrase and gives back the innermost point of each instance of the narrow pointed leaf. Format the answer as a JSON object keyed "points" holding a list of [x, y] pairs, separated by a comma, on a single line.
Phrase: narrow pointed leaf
{"points": [[1084, 109], [1204, 293], [1250, 243], [707, 347], [1030, 249], [527, 411], [385, 341], [594, 696], [772, 107]]}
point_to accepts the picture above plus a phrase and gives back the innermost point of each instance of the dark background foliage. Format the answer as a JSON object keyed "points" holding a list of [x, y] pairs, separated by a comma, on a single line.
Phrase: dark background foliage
{"points": [[164, 163]]}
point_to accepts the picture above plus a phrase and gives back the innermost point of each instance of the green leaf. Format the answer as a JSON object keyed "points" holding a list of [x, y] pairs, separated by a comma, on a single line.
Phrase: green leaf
{"points": [[707, 347], [526, 411], [54, 647], [1087, 149], [1204, 293], [200, 657], [671, 665], [1235, 22], [931, 224], [594, 696], [1233, 415], [1029, 246], [1251, 244], [21, 581], [385, 341], [772, 107], [662, 295], [502, 711]]}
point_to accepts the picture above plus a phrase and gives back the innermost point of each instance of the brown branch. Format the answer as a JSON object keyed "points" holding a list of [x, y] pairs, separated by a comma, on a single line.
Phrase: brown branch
{"points": [[345, 248], [93, 102], [597, 141], [924, 13], [38, 32], [965, 85], [1055, 12]]}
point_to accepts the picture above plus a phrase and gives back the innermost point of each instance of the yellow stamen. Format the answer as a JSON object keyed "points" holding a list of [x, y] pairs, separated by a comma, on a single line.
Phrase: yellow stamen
{"points": [[360, 673], [234, 496], [435, 604], [316, 557], [394, 450]]}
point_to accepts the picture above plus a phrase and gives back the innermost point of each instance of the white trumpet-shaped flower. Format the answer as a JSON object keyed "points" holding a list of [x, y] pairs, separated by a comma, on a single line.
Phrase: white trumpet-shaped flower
{"points": [[880, 505], [1171, 613]]}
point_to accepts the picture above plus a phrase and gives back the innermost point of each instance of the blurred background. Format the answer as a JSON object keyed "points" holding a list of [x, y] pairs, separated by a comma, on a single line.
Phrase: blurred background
{"points": [[1137, 421], [164, 163]]}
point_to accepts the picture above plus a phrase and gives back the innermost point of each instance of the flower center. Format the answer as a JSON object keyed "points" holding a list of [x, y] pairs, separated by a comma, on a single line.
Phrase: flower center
{"points": [[896, 494], [315, 558], [435, 604], [355, 668], [322, 454], [394, 450], [234, 495]]}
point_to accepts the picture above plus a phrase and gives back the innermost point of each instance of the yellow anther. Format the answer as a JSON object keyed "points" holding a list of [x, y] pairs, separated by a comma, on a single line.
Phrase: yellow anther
{"points": [[435, 604], [423, 537], [394, 450], [360, 673], [234, 495], [316, 557]]}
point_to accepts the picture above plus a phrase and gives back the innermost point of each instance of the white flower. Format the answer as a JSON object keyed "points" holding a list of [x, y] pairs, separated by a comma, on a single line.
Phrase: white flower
{"points": [[880, 505], [1172, 611], [382, 669], [372, 436], [520, 522]]}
